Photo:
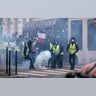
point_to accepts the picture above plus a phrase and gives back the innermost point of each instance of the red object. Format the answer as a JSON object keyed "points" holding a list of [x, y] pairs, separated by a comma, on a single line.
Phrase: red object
{"points": [[86, 68], [41, 40], [94, 21], [41, 37]]}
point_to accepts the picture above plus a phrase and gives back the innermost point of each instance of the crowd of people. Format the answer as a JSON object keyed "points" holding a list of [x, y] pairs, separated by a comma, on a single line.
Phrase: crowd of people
{"points": [[57, 53], [29, 49]]}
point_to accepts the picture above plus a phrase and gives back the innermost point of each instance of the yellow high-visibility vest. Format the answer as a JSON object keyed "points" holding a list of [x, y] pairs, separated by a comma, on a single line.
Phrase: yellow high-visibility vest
{"points": [[51, 46], [17, 48], [4, 45], [56, 50], [62, 53], [27, 52], [34, 43], [72, 48]]}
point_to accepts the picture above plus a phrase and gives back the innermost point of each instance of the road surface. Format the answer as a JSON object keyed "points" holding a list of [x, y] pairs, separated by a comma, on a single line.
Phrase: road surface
{"points": [[37, 73]]}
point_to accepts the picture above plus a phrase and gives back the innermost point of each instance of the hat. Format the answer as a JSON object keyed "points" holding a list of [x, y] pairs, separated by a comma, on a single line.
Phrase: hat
{"points": [[73, 39]]}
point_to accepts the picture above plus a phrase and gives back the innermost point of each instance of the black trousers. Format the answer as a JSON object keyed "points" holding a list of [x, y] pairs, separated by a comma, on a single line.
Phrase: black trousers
{"points": [[60, 64], [55, 60], [72, 61]]}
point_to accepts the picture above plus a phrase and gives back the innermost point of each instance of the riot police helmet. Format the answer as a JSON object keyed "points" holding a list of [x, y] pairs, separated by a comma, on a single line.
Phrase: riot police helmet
{"points": [[73, 39]]}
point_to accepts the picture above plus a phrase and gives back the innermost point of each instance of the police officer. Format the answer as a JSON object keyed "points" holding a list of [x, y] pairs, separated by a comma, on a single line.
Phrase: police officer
{"points": [[72, 49], [26, 54], [30, 46], [50, 49], [17, 48], [56, 51], [61, 56], [32, 51], [34, 45]]}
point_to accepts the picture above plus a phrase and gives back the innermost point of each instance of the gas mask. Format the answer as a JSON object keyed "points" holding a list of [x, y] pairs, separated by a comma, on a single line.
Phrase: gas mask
{"points": [[72, 40], [56, 43], [55, 46]]}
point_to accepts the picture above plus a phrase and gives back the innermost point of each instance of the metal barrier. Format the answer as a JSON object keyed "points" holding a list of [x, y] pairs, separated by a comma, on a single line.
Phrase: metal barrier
{"points": [[8, 62], [9, 74], [0, 59], [15, 62]]}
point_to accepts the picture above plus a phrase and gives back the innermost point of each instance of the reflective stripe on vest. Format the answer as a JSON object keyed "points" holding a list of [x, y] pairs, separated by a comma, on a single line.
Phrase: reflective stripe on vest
{"points": [[72, 48], [27, 52], [51, 46], [62, 53], [34, 43], [17, 48], [56, 50], [4, 45]]}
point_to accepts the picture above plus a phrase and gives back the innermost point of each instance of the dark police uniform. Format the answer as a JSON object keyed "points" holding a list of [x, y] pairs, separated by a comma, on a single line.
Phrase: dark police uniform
{"points": [[51, 51], [56, 51], [72, 49], [27, 55], [61, 56]]}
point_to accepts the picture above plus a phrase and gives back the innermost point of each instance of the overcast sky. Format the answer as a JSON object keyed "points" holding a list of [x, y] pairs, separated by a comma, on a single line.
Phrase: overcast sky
{"points": [[47, 8]]}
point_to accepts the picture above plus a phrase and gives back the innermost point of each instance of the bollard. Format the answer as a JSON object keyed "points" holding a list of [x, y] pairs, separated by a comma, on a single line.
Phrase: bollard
{"points": [[9, 74], [15, 62], [0, 59], [6, 60]]}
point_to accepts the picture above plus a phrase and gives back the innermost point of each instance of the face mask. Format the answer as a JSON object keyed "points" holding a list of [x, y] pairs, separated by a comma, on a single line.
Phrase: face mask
{"points": [[56, 43], [72, 40]]}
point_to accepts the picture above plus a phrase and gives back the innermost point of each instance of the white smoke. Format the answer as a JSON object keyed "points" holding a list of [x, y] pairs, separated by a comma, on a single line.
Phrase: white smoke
{"points": [[41, 60], [25, 64]]}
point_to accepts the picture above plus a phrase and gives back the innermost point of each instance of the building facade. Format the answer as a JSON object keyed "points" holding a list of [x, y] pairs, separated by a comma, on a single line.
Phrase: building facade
{"points": [[12, 25], [84, 30]]}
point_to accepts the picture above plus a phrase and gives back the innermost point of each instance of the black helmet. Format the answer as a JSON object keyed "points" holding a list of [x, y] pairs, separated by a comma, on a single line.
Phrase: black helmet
{"points": [[72, 39]]}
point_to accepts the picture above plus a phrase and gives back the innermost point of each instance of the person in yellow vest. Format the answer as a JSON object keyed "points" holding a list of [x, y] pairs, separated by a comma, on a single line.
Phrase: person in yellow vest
{"points": [[16, 48], [4, 45], [61, 56], [50, 49], [26, 55], [56, 52], [72, 49]]}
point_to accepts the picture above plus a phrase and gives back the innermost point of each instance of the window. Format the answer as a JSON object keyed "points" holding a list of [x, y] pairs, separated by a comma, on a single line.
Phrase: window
{"points": [[91, 36], [76, 31], [11, 22], [19, 21]]}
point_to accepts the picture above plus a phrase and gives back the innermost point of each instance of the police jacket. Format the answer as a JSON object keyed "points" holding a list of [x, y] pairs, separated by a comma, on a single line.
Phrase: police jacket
{"points": [[25, 51], [61, 49], [30, 45], [51, 47], [72, 48], [56, 49]]}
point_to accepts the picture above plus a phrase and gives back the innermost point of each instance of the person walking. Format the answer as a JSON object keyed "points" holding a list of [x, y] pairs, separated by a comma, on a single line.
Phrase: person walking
{"points": [[27, 55], [56, 52], [72, 49], [51, 51], [61, 56]]}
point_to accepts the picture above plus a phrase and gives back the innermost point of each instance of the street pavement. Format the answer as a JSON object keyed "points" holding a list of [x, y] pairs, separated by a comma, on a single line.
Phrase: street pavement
{"points": [[37, 73]]}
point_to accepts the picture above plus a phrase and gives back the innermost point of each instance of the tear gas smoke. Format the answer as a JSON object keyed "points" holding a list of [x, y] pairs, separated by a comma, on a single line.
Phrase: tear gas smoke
{"points": [[25, 64], [41, 60]]}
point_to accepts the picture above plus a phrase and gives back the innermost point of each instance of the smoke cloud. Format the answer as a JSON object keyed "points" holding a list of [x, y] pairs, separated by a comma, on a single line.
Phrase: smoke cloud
{"points": [[41, 60]]}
